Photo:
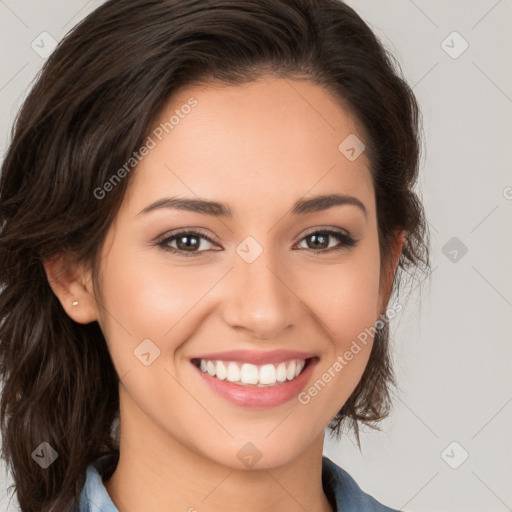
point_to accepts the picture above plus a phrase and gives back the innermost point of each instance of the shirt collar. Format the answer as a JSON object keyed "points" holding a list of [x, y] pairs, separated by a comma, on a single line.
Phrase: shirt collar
{"points": [[94, 496], [344, 493]]}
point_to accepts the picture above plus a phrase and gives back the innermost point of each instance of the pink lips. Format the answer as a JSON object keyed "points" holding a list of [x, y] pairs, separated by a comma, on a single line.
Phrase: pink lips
{"points": [[258, 397], [256, 357]]}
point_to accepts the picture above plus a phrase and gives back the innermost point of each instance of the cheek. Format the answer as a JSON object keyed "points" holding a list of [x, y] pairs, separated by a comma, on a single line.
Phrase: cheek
{"points": [[345, 300], [151, 297], [345, 297], [141, 301], [348, 313]]}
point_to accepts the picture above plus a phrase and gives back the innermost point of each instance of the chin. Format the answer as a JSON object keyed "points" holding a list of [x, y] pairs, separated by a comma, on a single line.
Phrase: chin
{"points": [[255, 453]]}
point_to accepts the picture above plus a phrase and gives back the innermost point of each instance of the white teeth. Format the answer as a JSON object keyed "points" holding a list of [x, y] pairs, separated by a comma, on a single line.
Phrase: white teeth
{"points": [[233, 372], [210, 368], [252, 375], [267, 374], [249, 374], [290, 373], [281, 372], [221, 371]]}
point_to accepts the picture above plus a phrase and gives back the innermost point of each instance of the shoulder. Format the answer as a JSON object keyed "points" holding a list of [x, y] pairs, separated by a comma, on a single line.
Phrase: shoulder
{"points": [[343, 490]]}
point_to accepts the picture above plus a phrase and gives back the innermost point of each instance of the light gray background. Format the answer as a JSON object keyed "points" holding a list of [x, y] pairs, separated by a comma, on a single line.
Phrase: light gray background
{"points": [[452, 343]]}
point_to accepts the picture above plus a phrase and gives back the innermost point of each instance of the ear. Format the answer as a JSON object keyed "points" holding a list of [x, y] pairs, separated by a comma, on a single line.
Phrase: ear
{"points": [[72, 284], [388, 274]]}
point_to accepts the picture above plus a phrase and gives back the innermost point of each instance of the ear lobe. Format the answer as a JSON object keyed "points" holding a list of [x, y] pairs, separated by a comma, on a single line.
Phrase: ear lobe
{"points": [[72, 285]]}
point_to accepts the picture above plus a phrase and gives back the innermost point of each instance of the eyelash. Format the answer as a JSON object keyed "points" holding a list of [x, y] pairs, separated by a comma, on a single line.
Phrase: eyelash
{"points": [[346, 241]]}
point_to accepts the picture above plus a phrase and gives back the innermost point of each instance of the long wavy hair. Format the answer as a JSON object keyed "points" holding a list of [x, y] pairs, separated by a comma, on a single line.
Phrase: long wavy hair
{"points": [[93, 104]]}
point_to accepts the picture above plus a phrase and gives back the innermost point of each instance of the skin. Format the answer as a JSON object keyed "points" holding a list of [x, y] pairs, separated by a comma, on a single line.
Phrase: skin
{"points": [[258, 147]]}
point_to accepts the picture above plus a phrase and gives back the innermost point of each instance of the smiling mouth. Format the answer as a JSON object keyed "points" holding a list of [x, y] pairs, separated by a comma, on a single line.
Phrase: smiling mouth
{"points": [[247, 374]]}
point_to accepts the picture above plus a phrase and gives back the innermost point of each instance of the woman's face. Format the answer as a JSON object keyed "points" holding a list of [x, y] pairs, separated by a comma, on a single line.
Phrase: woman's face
{"points": [[265, 280]]}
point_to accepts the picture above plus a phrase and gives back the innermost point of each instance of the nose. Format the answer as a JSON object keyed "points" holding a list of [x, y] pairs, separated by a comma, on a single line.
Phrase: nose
{"points": [[260, 299]]}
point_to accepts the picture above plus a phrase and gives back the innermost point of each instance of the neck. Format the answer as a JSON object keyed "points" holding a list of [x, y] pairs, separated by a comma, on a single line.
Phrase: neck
{"points": [[157, 472]]}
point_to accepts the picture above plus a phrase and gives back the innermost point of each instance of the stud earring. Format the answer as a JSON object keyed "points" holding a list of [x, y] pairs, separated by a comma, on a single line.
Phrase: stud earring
{"points": [[75, 303]]}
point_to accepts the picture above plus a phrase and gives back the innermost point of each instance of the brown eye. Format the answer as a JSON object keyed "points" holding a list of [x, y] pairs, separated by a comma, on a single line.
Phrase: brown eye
{"points": [[320, 240], [187, 243]]}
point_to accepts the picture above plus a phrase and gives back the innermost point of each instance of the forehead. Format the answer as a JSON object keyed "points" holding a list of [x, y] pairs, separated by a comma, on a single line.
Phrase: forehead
{"points": [[263, 143]]}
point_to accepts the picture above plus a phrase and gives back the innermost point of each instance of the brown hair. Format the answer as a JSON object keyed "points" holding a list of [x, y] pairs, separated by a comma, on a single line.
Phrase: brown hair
{"points": [[92, 106]]}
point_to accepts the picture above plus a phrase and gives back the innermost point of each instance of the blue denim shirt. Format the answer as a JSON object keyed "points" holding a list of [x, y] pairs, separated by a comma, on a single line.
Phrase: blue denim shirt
{"points": [[340, 488]]}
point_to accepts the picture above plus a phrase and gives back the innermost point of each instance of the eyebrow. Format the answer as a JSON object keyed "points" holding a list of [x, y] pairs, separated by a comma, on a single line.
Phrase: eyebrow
{"points": [[214, 208]]}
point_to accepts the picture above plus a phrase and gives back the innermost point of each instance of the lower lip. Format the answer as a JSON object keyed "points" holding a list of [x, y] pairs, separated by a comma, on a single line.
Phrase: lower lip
{"points": [[252, 396]]}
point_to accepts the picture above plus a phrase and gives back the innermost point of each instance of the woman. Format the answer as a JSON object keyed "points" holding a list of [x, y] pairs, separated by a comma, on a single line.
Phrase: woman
{"points": [[205, 206]]}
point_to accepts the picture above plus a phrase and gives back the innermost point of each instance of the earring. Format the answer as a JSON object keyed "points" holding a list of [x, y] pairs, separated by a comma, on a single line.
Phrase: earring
{"points": [[75, 303]]}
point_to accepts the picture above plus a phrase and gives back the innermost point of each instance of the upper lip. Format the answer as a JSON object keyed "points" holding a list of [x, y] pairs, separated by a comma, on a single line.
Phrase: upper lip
{"points": [[255, 356]]}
